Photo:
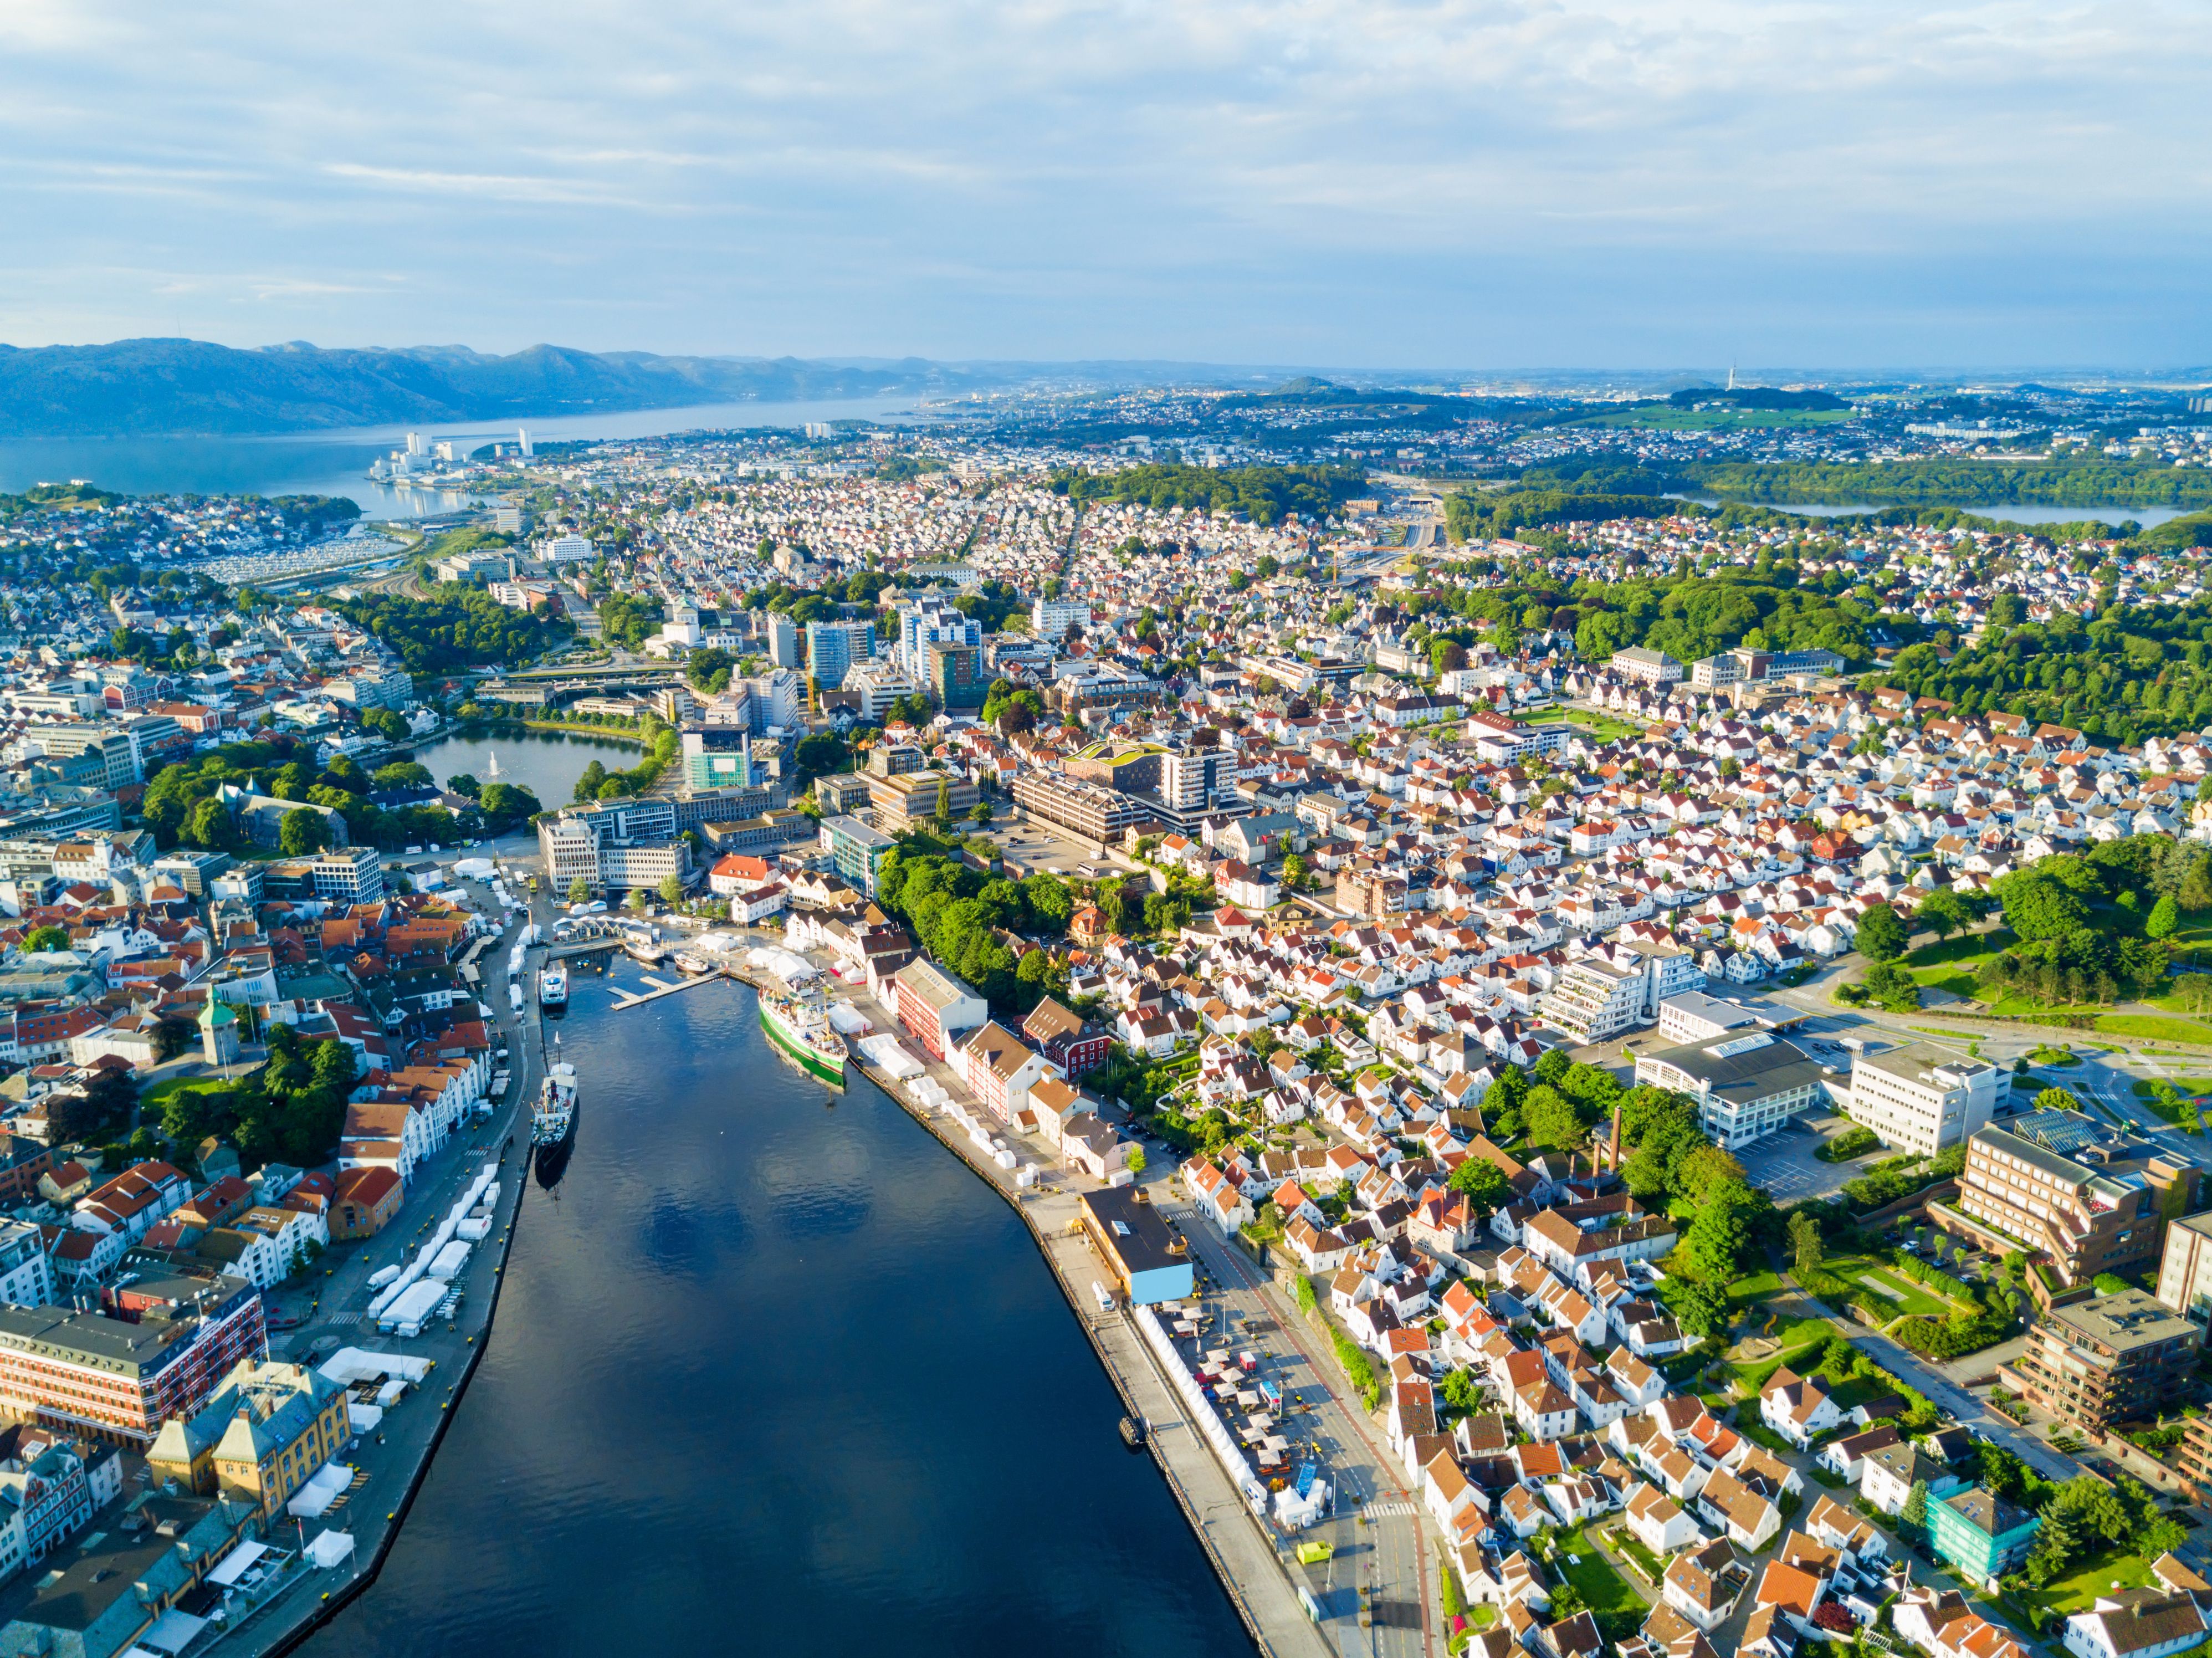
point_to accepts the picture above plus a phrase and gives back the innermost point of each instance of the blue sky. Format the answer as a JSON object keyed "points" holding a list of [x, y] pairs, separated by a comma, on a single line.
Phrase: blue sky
{"points": [[1473, 184]]}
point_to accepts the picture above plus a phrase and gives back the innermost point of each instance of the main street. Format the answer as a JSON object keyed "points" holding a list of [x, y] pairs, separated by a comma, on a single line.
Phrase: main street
{"points": [[1390, 1557]]}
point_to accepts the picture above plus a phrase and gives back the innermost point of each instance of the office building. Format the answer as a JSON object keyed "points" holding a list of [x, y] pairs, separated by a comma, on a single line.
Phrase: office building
{"points": [[2090, 1199], [841, 791], [717, 756], [1099, 814], [1192, 781], [832, 648], [929, 621], [913, 797], [783, 641], [857, 850], [1691, 1015], [1922, 1098], [1746, 1086], [337, 875], [2117, 1357], [614, 846], [1652, 667], [877, 685], [155, 1348], [118, 755]]}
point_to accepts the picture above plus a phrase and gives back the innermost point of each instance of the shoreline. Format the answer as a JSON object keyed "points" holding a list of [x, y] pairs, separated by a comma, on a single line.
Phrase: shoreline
{"points": [[510, 1131], [1274, 1631]]}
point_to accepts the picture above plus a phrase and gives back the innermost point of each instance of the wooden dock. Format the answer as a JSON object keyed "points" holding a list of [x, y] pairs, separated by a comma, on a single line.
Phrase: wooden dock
{"points": [[624, 999]]}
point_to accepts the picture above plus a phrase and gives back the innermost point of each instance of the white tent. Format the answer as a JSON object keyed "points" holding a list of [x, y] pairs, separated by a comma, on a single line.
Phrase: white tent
{"points": [[884, 1052], [172, 1632], [235, 1564], [848, 1019], [364, 1417], [351, 1364], [330, 1548], [318, 1494]]}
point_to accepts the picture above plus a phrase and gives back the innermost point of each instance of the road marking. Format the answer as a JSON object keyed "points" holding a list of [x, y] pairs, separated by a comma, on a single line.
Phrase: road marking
{"points": [[1389, 1510], [342, 1318]]}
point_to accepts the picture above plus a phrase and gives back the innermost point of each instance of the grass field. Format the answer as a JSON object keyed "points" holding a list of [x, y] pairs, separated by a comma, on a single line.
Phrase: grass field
{"points": [[2153, 1027], [2078, 1590], [1884, 1280], [1603, 726], [1602, 1588]]}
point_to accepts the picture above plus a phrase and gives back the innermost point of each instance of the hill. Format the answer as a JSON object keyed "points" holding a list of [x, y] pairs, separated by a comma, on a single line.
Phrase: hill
{"points": [[150, 387]]}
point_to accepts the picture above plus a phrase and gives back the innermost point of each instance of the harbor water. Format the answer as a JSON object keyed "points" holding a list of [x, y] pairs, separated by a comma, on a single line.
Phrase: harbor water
{"points": [[772, 1371]]}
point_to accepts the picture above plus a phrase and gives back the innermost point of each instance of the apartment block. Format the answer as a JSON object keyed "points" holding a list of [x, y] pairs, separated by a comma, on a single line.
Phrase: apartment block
{"points": [[2110, 1358], [2090, 1200]]}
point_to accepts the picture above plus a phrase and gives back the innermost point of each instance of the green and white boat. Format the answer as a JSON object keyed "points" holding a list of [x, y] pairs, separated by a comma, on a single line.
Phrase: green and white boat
{"points": [[801, 1030]]}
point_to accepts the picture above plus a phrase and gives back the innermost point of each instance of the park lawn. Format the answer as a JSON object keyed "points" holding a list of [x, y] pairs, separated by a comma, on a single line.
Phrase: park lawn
{"points": [[2078, 1590], [1602, 1588], [1951, 980], [157, 1098], [1756, 1287], [2154, 1028], [1971, 949]]}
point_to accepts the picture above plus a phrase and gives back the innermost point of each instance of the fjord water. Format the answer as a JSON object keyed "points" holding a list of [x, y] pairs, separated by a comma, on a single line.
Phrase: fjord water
{"points": [[775, 1375], [336, 463]]}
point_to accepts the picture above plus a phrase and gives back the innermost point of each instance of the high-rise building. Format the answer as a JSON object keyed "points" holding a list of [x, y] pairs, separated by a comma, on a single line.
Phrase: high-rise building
{"points": [[1190, 782], [783, 641], [1922, 1098], [956, 674], [834, 646], [522, 442]]}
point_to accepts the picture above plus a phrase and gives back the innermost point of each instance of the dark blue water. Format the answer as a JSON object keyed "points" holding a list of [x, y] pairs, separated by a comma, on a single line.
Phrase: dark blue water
{"points": [[547, 763], [773, 1377]]}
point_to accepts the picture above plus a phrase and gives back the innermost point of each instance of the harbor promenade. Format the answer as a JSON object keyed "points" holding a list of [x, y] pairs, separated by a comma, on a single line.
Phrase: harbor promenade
{"points": [[1250, 1559], [395, 1455]]}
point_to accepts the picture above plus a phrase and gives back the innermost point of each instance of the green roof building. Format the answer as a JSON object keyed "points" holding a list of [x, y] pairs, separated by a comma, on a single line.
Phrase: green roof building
{"points": [[1981, 1534]]}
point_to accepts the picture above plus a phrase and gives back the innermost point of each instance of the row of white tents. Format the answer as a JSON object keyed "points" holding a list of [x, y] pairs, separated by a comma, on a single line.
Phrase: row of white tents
{"points": [[407, 1297]]}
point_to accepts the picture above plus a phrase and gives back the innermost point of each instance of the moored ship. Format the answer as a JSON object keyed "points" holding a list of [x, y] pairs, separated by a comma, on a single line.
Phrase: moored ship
{"points": [[801, 1030], [553, 987], [555, 1118]]}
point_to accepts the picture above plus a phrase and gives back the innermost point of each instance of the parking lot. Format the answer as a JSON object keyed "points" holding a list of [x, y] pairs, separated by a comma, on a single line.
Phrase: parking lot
{"points": [[1785, 1165], [1036, 846]]}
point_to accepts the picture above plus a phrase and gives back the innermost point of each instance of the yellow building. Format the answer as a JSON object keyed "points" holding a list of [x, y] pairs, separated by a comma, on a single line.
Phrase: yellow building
{"points": [[264, 1433]]}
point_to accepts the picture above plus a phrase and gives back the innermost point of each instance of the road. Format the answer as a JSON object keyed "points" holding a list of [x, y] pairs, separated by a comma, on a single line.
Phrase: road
{"points": [[1391, 1556]]}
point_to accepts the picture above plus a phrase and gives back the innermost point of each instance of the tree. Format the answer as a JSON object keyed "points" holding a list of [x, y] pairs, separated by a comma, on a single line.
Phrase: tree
{"points": [[944, 812], [1294, 872], [1550, 1118], [672, 889], [1805, 1244], [1135, 1161], [1912, 1518], [300, 831], [579, 891], [1942, 913], [45, 939], [209, 826], [1484, 1185], [1699, 1176], [1716, 1240], [587, 786], [1551, 1065], [2164, 916], [1699, 1308], [2039, 906], [462, 783], [2054, 1099], [1881, 935]]}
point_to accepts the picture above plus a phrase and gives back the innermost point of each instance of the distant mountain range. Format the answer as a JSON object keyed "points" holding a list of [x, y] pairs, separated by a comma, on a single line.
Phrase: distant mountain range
{"points": [[136, 388]]}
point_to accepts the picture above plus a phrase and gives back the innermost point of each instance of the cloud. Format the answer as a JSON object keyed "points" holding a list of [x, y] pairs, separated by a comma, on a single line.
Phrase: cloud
{"points": [[1401, 181]]}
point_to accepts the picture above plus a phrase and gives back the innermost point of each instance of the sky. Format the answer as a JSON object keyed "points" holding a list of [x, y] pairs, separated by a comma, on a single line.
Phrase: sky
{"points": [[1466, 185]]}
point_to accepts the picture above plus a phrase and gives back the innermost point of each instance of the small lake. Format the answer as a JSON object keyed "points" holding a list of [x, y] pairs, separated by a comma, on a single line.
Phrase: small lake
{"points": [[547, 763], [336, 463], [2149, 517]]}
